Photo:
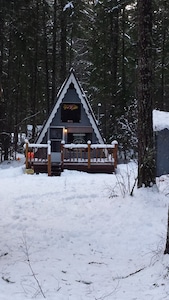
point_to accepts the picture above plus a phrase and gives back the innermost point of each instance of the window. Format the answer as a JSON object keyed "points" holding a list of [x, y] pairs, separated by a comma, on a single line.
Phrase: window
{"points": [[56, 133], [55, 136], [71, 112], [55, 146]]}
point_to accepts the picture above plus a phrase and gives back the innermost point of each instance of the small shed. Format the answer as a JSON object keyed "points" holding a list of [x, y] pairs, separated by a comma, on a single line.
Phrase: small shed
{"points": [[161, 131]]}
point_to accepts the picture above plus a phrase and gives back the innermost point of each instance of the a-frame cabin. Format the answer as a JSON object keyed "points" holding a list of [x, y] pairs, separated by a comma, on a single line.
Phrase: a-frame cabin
{"points": [[71, 120]]}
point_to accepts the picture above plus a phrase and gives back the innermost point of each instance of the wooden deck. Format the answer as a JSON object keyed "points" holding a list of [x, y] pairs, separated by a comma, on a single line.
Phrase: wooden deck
{"points": [[56, 169], [87, 158], [42, 167], [94, 167]]}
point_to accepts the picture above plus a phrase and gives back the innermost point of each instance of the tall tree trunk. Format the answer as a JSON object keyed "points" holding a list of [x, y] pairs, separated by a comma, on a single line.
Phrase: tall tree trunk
{"points": [[35, 75], [16, 107], [1, 38], [46, 59], [123, 75], [146, 161], [163, 66], [54, 52], [114, 40], [63, 36], [1, 63]]}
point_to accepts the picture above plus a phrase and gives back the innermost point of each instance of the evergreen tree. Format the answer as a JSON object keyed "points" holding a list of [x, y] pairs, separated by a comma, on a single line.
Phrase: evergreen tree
{"points": [[113, 60], [161, 54], [79, 30], [146, 162], [42, 39]]}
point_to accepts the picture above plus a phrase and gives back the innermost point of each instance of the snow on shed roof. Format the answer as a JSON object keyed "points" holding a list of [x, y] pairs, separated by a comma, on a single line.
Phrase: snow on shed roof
{"points": [[160, 120]]}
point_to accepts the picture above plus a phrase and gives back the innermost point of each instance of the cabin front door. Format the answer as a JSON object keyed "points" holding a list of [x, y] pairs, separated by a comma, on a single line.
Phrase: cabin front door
{"points": [[56, 135]]}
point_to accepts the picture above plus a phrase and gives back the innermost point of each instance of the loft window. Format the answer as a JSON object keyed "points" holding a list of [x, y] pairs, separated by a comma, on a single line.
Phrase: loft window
{"points": [[71, 112]]}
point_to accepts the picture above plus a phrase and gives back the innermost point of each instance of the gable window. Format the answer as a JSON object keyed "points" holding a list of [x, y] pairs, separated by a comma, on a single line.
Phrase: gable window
{"points": [[71, 112]]}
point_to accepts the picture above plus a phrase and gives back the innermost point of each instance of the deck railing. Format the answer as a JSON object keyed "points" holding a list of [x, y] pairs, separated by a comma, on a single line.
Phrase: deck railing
{"points": [[89, 153], [33, 154], [72, 153]]}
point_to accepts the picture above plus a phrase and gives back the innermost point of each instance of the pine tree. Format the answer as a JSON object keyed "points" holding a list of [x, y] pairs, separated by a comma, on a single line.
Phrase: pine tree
{"points": [[161, 54], [146, 162]]}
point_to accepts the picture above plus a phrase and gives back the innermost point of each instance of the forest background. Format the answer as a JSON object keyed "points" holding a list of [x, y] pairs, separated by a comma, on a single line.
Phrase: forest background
{"points": [[40, 40]]}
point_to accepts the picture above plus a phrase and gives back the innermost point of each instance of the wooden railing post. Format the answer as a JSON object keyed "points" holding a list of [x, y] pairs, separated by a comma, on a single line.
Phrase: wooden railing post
{"points": [[115, 153], [26, 153], [62, 153], [89, 154], [49, 158]]}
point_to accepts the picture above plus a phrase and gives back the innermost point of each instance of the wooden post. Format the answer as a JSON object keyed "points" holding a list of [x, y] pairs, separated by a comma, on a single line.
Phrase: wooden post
{"points": [[89, 154], [49, 158], [115, 153], [62, 153], [26, 154]]}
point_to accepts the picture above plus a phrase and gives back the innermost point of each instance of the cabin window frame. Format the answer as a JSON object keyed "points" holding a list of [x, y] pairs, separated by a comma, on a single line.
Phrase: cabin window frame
{"points": [[71, 112]]}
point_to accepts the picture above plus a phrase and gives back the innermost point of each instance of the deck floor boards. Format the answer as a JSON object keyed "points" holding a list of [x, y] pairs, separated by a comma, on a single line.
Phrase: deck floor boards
{"points": [[95, 167]]}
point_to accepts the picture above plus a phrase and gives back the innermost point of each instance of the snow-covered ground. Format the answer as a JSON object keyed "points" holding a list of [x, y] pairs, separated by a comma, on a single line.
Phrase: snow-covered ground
{"points": [[81, 236]]}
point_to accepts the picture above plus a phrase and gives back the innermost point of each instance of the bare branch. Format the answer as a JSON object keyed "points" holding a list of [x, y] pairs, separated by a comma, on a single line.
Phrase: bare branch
{"points": [[27, 118], [26, 251]]}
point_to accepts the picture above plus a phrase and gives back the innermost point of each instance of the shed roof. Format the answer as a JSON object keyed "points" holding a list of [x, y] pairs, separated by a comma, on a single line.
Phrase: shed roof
{"points": [[160, 120]]}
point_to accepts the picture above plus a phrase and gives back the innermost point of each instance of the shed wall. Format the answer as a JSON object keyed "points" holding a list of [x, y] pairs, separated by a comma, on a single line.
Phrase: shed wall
{"points": [[162, 152]]}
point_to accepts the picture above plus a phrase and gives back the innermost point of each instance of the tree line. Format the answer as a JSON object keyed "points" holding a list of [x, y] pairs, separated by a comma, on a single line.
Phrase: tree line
{"points": [[40, 40]]}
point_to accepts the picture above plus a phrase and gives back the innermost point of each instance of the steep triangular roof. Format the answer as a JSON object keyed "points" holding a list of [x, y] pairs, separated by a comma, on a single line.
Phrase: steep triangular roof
{"points": [[84, 101]]}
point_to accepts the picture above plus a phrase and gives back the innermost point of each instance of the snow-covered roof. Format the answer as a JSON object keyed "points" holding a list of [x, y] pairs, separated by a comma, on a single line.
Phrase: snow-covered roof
{"points": [[84, 101], [160, 120]]}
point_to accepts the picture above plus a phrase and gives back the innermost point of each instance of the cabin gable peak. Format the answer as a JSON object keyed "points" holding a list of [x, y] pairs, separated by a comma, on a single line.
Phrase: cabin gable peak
{"points": [[71, 101]]}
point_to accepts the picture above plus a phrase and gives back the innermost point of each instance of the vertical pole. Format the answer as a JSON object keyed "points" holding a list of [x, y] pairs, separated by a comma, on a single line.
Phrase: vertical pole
{"points": [[89, 153], [115, 153], [62, 153], [98, 113], [26, 154], [49, 158]]}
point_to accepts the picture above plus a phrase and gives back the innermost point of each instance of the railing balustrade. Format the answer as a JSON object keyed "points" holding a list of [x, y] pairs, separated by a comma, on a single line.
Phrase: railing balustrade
{"points": [[89, 153], [33, 155], [72, 153]]}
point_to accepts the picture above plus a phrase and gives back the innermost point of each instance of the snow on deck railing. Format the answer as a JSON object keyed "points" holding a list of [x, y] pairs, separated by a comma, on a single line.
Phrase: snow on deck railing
{"points": [[75, 146], [93, 146], [90, 153], [75, 153], [104, 146]]}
